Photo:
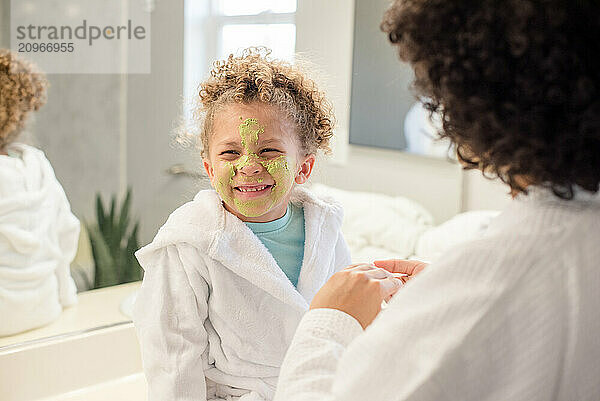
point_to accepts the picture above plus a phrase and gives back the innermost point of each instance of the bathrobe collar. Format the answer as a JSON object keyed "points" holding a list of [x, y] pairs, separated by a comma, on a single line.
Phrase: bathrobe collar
{"points": [[537, 200], [205, 224]]}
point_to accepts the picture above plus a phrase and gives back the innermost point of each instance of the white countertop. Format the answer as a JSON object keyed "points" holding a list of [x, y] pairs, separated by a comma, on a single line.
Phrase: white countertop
{"points": [[95, 308]]}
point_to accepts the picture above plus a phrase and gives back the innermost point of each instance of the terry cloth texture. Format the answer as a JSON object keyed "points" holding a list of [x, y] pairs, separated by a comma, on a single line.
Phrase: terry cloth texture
{"points": [[215, 313], [284, 238], [38, 241], [513, 315]]}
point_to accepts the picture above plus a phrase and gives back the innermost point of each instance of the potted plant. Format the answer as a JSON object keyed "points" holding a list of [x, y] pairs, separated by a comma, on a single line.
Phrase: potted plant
{"points": [[114, 239]]}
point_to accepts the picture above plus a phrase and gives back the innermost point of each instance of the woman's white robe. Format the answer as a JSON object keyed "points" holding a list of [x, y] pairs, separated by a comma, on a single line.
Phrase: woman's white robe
{"points": [[514, 315], [214, 303]]}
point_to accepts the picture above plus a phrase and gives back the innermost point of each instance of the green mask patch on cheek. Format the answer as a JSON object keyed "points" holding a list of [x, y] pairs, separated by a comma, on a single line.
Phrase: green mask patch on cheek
{"points": [[283, 177], [279, 169], [224, 181]]}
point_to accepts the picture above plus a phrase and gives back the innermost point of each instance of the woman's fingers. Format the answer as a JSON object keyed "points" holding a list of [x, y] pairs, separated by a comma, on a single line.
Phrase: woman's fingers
{"points": [[388, 282], [393, 280], [376, 272], [410, 267], [358, 291], [389, 286], [361, 266]]}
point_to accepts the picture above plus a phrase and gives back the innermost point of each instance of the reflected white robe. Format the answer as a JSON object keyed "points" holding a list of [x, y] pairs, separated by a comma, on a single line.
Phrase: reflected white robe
{"points": [[214, 303], [38, 241]]}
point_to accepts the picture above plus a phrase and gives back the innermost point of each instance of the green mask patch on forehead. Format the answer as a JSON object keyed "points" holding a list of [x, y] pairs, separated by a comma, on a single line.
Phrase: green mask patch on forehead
{"points": [[249, 130]]}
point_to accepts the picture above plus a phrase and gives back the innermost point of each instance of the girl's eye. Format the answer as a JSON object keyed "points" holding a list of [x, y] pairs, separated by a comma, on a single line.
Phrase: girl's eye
{"points": [[228, 152], [267, 150]]}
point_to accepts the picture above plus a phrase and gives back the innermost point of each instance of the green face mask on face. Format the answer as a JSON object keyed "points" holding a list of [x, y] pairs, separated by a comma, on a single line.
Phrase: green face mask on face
{"points": [[274, 169]]}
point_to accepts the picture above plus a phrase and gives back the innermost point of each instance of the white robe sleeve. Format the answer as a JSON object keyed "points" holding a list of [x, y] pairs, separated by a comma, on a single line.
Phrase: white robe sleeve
{"points": [[480, 335], [311, 363], [68, 237], [169, 316]]}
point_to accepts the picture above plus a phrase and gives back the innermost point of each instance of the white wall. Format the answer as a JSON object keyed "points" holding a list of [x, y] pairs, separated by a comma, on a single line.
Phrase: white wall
{"points": [[324, 32], [154, 107], [480, 193], [434, 183], [442, 187], [4, 23]]}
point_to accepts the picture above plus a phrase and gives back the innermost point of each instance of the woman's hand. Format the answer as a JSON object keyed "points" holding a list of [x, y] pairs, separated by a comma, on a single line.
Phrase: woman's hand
{"points": [[399, 266], [357, 290]]}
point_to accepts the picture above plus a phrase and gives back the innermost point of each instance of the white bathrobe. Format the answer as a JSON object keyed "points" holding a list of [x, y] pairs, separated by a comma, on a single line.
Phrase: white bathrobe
{"points": [[512, 316], [38, 241], [215, 305]]}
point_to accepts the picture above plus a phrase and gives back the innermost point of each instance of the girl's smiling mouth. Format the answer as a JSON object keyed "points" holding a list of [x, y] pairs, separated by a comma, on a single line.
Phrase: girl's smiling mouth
{"points": [[252, 191]]}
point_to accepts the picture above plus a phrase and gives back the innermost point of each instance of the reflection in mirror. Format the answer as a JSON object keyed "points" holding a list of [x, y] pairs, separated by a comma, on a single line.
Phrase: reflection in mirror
{"points": [[45, 253], [38, 232], [383, 111], [420, 129], [67, 147]]}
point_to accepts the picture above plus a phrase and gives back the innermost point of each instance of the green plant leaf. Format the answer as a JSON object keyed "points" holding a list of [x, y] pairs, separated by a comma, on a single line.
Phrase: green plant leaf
{"points": [[114, 244], [106, 274], [100, 212], [113, 202], [109, 234], [124, 215]]}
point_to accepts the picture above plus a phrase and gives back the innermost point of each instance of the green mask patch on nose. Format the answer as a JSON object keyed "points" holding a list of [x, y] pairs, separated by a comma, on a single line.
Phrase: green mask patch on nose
{"points": [[243, 161]]}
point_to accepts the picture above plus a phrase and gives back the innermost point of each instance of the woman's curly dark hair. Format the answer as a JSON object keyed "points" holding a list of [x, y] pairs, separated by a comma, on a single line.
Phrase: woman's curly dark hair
{"points": [[255, 77], [517, 83], [22, 90]]}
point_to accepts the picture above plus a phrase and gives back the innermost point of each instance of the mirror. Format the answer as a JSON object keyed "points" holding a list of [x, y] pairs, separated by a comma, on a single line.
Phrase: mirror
{"points": [[108, 134], [383, 112]]}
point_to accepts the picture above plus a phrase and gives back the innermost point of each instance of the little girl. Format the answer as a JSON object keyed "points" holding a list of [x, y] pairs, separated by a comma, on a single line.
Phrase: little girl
{"points": [[230, 274], [38, 232]]}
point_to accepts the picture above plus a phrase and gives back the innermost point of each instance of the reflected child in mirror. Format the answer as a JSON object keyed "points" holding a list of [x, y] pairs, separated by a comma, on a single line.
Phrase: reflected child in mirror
{"points": [[230, 274], [38, 232]]}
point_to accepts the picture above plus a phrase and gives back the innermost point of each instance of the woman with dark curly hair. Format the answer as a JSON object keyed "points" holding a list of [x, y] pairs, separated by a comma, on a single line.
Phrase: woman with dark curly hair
{"points": [[516, 314], [229, 275], [38, 232]]}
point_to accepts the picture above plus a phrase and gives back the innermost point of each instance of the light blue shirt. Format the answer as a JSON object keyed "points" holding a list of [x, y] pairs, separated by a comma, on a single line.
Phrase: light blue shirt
{"points": [[284, 238]]}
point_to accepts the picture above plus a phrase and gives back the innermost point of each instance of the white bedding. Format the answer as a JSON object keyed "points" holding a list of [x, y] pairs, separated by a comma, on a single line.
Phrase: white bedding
{"points": [[378, 226]]}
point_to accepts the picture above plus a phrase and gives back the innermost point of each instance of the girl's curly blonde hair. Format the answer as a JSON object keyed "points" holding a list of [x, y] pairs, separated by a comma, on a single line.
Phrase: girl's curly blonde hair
{"points": [[255, 77], [22, 90]]}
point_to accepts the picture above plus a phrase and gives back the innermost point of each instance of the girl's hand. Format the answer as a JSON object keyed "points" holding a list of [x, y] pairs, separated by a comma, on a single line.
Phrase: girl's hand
{"points": [[399, 266], [357, 290]]}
